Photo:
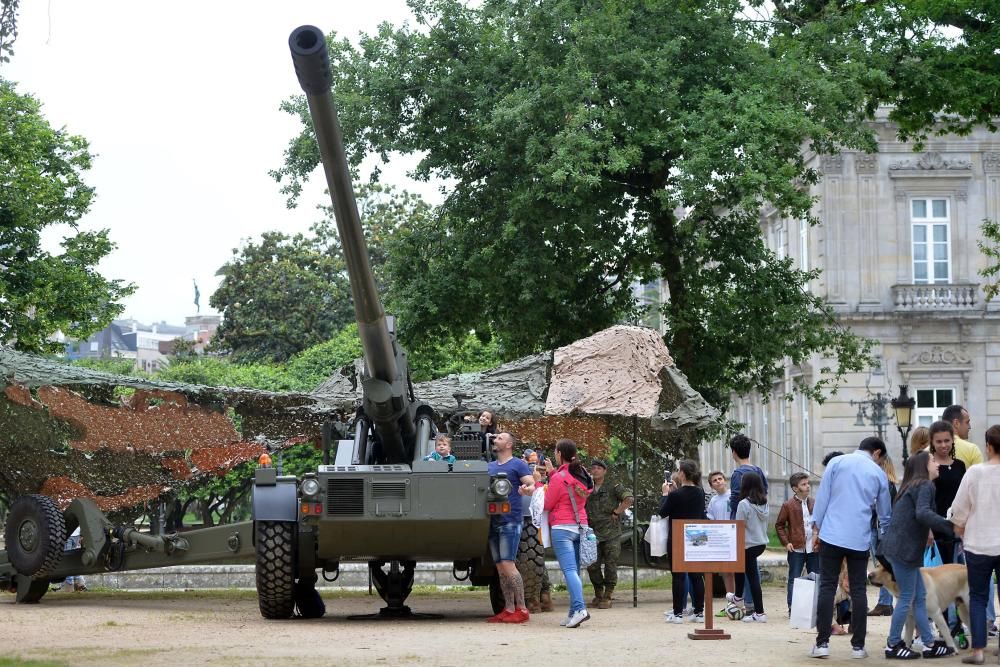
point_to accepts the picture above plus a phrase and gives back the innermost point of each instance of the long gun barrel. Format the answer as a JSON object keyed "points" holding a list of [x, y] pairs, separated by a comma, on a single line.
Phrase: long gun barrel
{"points": [[385, 396]]}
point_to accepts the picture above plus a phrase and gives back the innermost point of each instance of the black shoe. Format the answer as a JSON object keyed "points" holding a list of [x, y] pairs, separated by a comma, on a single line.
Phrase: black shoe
{"points": [[900, 652], [938, 650]]}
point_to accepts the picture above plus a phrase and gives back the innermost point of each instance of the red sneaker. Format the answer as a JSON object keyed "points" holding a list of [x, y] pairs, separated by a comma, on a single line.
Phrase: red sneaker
{"points": [[519, 616], [499, 618]]}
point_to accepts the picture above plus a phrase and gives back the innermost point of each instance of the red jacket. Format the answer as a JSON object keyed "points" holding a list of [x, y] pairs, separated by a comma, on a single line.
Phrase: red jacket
{"points": [[557, 502]]}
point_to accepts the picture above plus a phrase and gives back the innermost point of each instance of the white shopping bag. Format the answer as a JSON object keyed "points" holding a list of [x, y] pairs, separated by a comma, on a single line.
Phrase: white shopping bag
{"points": [[805, 595], [656, 536]]}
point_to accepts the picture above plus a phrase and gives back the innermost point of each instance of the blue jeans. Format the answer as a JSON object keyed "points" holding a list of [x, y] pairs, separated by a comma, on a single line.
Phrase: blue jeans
{"points": [[566, 544], [911, 592], [980, 568], [796, 561], [505, 538]]}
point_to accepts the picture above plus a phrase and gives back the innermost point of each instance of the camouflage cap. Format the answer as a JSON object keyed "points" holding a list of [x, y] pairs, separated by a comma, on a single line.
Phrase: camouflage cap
{"points": [[598, 462]]}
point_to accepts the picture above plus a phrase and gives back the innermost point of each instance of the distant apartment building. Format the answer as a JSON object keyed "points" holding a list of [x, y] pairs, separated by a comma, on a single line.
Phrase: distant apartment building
{"points": [[148, 345]]}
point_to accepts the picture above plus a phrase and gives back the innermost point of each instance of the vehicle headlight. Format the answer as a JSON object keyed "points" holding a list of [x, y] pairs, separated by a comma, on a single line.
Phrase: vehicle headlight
{"points": [[309, 487], [502, 487]]}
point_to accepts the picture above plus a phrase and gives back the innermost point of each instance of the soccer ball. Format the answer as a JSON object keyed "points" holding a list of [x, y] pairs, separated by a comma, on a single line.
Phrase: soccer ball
{"points": [[734, 611]]}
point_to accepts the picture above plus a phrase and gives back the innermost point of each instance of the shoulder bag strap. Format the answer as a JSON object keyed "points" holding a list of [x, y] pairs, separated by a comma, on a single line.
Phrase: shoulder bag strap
{"points": [[572, 500]]}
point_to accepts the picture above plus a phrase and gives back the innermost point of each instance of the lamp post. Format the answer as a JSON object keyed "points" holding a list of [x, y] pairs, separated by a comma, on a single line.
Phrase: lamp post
{"points": [[874, 410], [903, 406]]}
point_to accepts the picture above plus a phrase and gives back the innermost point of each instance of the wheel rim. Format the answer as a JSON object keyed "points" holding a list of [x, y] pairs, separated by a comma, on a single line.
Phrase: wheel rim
{"points": [[27, 536]]}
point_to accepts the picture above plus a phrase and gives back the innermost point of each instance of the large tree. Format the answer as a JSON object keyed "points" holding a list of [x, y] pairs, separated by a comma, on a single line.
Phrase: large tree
{"points": [[283, 294], [937, 62], [41, 185], [592, 144]]}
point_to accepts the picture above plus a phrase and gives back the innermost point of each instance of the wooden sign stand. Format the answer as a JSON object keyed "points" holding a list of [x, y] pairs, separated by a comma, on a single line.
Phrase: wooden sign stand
{"points": [[680, 563]]}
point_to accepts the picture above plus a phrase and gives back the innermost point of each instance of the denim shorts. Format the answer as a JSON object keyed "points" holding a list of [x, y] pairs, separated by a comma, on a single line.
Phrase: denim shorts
{"points": [[505, 538]]}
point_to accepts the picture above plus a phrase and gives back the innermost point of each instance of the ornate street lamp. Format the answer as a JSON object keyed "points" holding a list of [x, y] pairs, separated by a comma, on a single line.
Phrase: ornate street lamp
{"points": [[874, 411], [903, 406]]}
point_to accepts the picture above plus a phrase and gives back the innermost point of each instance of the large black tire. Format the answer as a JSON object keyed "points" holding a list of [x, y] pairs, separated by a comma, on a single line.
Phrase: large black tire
{"points": [[531, 561], [35, 535], [496, 595], [275, 568]]}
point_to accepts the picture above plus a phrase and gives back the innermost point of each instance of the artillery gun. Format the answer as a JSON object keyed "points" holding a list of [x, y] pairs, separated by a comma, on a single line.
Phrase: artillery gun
{"points": [[378, 501]]}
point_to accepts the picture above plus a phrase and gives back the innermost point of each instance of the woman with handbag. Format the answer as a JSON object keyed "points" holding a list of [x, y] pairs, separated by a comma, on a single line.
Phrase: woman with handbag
{"points": [[686, 502], [565, 501], [903, 545]]}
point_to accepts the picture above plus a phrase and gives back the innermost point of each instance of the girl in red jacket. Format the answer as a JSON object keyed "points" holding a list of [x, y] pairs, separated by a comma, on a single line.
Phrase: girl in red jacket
{"points": [[568, 485]]}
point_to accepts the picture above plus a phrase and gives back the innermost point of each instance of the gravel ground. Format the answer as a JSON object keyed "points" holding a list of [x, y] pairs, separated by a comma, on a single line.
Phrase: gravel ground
{"points": [[225, 628]]}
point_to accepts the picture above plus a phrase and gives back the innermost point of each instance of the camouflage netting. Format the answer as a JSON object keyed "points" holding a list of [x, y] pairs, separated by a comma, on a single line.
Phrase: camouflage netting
{"points": [[71, 432]]}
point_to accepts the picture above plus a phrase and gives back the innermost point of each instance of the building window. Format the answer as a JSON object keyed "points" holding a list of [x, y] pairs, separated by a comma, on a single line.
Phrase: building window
{"points": [[931, 403], [94, 346], [929, 221]]}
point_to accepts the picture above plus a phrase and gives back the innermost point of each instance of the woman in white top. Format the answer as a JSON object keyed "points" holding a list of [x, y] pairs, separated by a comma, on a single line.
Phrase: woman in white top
{"points": [[974, 513]]}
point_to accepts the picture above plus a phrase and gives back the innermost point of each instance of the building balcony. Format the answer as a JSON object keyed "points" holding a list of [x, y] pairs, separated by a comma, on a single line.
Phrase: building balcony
{"points": [[924, 298]]}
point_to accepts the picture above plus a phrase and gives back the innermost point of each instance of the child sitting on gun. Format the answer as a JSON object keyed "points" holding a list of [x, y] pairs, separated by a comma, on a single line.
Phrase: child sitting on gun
{"points": [[442, 450]]}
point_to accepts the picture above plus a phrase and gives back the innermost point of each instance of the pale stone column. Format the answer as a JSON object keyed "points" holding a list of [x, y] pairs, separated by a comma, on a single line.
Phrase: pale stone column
{"points": [[833, 251], [866, 166]]}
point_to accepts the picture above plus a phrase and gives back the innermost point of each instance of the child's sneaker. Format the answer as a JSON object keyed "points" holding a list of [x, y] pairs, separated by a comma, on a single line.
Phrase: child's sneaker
{"points": [[755, 618], [697, 618], [673, 618]]}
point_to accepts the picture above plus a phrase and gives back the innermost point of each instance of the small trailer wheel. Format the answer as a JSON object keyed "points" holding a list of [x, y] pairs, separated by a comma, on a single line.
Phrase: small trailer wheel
{"points": [[35, 535]]}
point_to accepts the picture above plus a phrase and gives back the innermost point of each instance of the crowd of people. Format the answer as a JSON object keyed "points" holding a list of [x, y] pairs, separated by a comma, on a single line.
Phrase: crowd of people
{"points": [[947, 499]]}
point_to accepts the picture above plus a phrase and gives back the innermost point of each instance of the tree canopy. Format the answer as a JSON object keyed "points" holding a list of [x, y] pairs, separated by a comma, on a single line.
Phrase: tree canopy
{"points": [[283, 294], [592, 145], [936, 60], [41, 186]]}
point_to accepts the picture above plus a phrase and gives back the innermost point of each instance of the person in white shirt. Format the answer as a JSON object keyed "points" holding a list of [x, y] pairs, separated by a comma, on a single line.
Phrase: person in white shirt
{"points": [[718, 509]]}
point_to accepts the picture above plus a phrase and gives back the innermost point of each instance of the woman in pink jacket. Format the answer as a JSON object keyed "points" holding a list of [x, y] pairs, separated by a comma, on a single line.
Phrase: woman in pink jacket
{"points": [[571, 480]]}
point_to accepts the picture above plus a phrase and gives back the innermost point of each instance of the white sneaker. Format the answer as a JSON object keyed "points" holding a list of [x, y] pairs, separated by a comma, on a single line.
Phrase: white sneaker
{"points": [[577, 618], [859, 653], [564, 622], [673, 618], [755, 618], [821, 651], [697, 618]]}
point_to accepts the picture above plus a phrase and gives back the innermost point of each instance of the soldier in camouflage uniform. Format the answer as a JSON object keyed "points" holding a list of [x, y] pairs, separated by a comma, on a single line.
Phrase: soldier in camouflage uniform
{"points": [[604, 510]]}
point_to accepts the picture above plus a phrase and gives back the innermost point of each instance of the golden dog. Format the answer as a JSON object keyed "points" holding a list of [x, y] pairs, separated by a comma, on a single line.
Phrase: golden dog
{"points": [[944, 584]]}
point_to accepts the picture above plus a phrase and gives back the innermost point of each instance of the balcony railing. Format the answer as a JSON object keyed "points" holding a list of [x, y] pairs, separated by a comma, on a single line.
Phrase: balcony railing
{"points": [[935, 297]]}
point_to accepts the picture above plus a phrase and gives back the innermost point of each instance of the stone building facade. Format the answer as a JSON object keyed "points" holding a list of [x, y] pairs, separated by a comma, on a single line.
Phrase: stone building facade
{"points": [[898, 250]]}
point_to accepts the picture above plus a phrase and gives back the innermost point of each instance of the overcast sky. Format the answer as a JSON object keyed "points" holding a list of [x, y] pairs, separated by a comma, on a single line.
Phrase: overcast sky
{"points": [[179, 101]]}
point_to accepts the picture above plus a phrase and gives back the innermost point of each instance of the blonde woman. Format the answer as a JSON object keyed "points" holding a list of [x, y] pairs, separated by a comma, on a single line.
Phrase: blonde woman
{"points": [[920, 440], [884, 606]]}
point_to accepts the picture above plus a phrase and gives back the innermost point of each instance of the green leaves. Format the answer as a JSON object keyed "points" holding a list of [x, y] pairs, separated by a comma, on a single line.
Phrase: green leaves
{"points": [[594, 144], [40, 186], [283, 294]]}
